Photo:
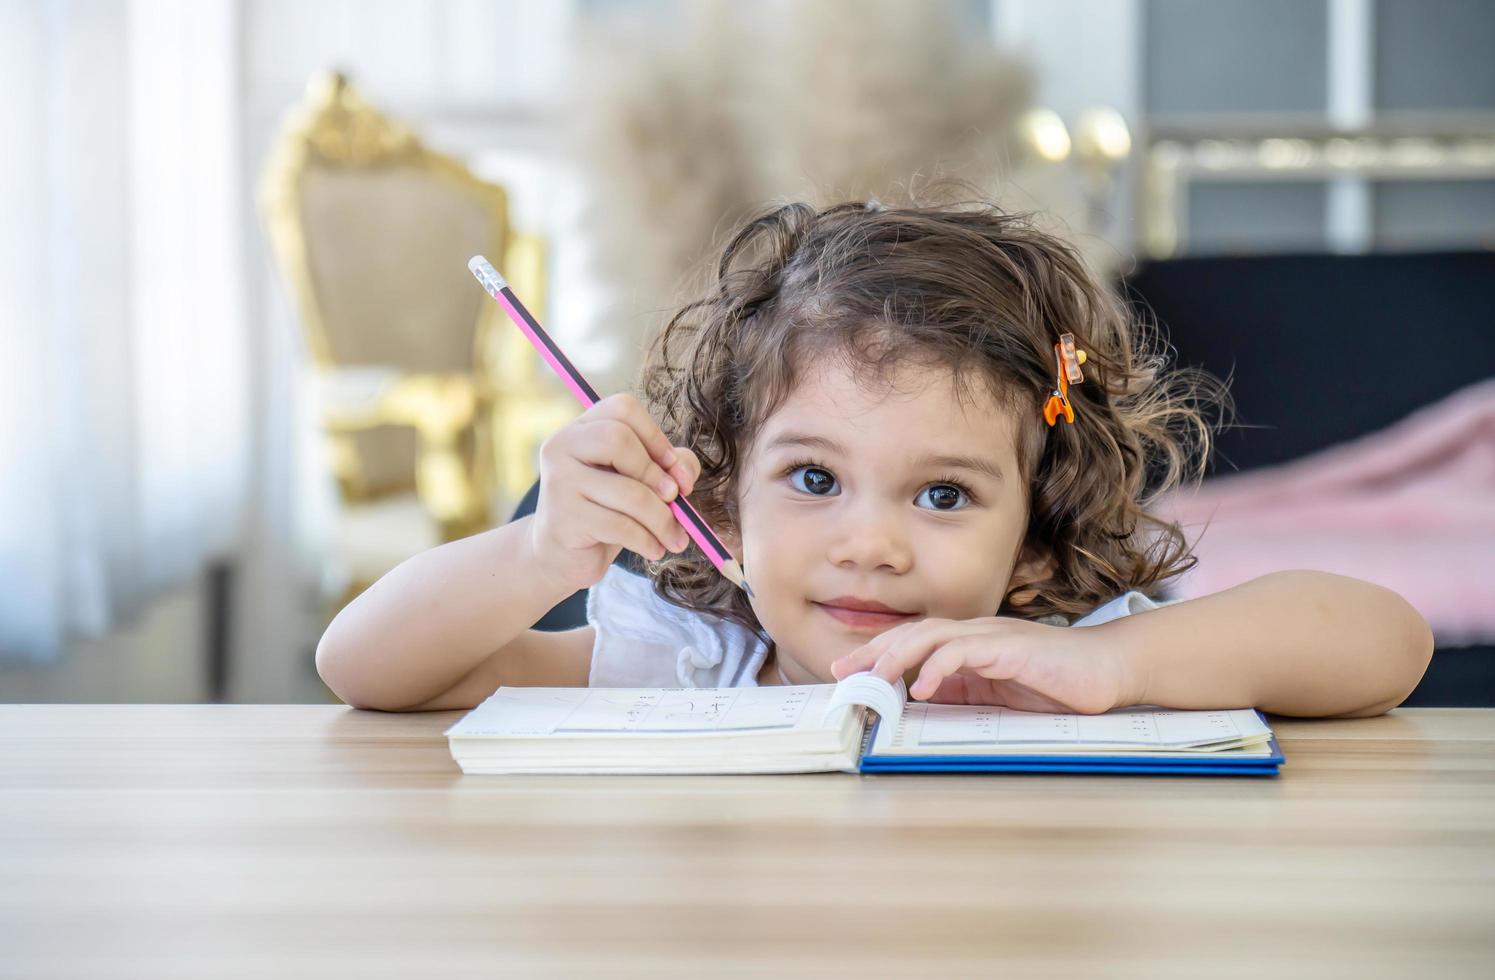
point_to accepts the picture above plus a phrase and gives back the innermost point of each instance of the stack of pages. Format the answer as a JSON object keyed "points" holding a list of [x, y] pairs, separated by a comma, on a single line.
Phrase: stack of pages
{"points": [[862, 724]]}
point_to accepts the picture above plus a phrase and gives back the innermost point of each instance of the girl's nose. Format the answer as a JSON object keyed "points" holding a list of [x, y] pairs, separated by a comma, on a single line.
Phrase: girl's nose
{"points": [[870, 538]]}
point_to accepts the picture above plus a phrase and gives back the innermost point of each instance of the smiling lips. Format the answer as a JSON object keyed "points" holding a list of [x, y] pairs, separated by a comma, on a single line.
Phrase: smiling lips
{"points": [[863, 613]]}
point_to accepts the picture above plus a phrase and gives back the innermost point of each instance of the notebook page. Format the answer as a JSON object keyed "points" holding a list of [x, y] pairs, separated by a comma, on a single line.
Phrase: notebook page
{"points": [[532, 711], [948, 728], [866, 689]]}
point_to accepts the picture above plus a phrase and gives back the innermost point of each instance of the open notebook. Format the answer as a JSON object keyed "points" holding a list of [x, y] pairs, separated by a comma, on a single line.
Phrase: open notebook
{"points": [[862, 724]]}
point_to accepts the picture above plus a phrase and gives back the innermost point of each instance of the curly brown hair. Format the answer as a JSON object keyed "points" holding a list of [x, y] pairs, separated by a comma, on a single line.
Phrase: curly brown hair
{"points": [[984, 293]]}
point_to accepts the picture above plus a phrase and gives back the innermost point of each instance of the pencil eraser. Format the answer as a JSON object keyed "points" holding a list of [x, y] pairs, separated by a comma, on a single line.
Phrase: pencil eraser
{"points": [[486, 274]]}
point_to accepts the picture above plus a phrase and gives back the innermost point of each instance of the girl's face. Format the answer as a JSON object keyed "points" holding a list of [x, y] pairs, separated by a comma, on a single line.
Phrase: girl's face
{"points": [[863, 509]]}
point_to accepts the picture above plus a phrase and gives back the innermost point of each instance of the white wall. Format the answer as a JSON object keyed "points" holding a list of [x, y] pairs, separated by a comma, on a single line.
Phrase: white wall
{"points": [[157, 660]]}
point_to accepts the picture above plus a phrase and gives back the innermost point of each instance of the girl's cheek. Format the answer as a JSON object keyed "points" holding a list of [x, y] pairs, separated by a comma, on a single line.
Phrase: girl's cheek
{"points": [[960, 584]]}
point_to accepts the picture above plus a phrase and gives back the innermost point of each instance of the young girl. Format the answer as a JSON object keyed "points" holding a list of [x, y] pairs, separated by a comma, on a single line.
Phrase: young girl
{"points": [[857, 409]]}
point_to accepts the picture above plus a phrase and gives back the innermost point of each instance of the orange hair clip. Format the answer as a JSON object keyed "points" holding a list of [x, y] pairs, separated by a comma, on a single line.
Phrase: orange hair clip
{"points": [[1068, 373]]}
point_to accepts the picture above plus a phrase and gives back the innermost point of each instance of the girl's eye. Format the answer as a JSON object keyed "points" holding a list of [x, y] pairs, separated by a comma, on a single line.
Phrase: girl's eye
{"points": [[943, 496], [813, 479]]}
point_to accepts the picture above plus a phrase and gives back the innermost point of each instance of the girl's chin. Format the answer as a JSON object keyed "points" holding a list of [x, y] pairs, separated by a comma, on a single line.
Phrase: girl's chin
{"points": [[819, 673]]}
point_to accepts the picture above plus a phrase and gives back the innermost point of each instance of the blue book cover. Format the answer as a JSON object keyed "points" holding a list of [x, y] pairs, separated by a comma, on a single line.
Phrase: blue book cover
{"points": [[1233, 763]]}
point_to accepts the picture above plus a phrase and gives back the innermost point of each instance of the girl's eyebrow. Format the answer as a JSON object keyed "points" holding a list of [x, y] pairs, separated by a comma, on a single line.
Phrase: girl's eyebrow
{"points": [[975, 464], [811, 442]]}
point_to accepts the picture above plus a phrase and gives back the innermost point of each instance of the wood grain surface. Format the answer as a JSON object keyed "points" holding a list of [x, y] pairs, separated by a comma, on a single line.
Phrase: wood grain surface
{"points": [[162, 841]]}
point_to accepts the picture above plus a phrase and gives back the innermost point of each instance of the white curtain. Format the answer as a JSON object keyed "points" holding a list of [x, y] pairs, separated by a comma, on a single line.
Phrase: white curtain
{"points": [[124, 431]]}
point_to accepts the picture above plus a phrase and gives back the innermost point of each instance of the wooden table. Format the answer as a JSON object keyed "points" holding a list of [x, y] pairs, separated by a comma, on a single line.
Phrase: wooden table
{"points": [[283, 841]]}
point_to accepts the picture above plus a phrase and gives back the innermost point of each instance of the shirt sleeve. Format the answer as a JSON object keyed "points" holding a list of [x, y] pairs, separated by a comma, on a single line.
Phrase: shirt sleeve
{"points": [[643, 641], [1127, 604]]}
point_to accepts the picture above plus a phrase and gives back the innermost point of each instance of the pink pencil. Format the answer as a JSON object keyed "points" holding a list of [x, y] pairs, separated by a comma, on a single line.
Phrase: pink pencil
{"points": [[697, 528]]}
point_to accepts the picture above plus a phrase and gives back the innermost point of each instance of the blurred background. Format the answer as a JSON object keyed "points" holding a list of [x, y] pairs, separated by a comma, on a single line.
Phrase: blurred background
{"points": [[246, 370]]}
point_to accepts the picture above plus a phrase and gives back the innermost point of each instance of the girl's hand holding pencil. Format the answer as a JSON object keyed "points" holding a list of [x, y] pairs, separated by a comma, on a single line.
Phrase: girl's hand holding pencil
{"points": [[632, 414], [606, 480]]}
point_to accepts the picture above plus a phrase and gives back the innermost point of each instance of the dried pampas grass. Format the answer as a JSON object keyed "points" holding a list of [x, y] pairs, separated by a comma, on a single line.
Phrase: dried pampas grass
{"points": [[681, 130]]}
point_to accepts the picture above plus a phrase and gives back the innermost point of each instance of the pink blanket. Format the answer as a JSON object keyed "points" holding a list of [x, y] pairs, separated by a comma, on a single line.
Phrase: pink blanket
{"points": [[1411, 507]]}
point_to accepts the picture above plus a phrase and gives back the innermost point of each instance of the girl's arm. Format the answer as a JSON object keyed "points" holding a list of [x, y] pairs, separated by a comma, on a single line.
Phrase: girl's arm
{"points": [[1293, 643], [449, 626]]}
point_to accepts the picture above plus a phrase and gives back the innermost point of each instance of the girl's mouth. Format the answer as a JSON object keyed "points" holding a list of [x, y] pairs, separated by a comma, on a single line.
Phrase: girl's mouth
{"points": [[863, 614]]}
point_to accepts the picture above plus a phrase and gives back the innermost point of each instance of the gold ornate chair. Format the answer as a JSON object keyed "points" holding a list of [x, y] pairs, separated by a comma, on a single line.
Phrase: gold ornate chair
{"points": [[431, 403]]}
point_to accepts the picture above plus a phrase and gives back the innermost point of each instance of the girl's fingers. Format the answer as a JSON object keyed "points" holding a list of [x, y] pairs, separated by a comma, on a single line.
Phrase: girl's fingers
{"points": [[898, 644], [619, 529], [864, 656], [957, 689], [687, 469], [612, 444], [630, 411], [634, 501], [856, 661], [892, 665], [966, 651], [908, 651]]}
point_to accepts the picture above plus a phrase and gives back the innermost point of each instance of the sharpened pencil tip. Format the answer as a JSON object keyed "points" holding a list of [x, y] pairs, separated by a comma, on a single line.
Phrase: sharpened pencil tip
{"points": [[733, 573]]}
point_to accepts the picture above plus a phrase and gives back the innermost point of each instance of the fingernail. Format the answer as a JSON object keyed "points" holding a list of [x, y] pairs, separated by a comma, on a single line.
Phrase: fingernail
{"points": [[670, 458], [682, 475], [667, 489]]}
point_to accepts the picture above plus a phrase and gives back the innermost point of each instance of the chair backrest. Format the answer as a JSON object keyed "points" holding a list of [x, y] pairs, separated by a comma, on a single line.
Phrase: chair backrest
{"points": [[387, 253], [373, 231]]}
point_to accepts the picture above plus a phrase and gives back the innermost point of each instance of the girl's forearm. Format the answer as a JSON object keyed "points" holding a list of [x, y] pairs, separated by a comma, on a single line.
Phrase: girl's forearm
{"points": [[428, 622], [1292, 643]]}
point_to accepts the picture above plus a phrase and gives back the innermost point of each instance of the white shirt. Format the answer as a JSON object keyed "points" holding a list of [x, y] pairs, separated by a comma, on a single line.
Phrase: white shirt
{"points": [[644, 641]]}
